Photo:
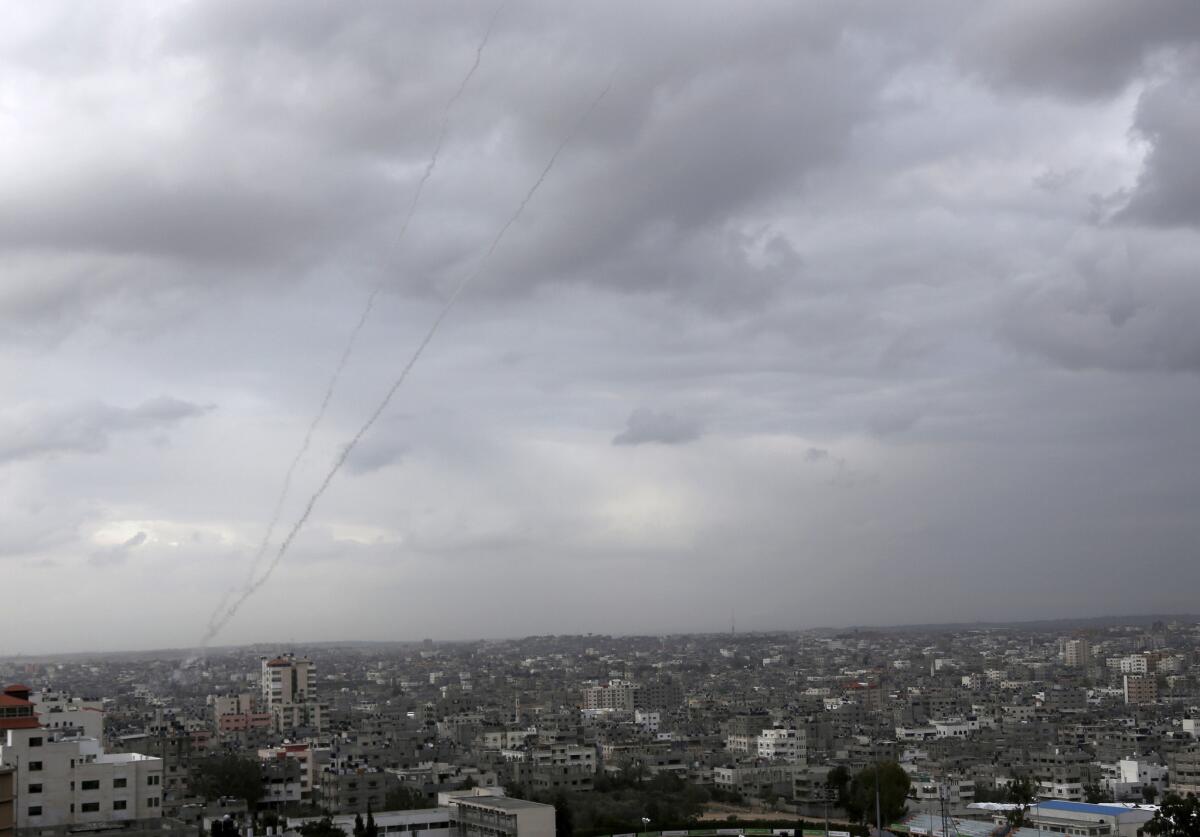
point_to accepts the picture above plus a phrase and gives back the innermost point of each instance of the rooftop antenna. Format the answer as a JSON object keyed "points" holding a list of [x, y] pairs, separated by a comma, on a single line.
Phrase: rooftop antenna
{"points": [[732, 622]]}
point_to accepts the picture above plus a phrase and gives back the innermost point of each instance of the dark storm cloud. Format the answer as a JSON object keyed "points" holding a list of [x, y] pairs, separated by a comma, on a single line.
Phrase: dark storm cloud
{"points": [[646, 426], [1079, 48], [855, 255], [1168, 118], [38, 431]]}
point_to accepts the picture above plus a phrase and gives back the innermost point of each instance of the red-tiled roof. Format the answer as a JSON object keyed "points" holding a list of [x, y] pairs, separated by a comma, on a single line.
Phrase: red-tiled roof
{"points": [[23, 722]]}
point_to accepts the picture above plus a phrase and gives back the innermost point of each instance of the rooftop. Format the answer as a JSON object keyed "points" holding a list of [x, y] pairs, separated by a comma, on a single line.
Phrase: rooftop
{"points": [[1099, 810], [504, 803]]}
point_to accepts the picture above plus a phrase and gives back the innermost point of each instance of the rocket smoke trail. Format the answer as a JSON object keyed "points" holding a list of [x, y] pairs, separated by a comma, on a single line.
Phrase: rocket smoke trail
{"points": [[352, 341], [340, 460]]}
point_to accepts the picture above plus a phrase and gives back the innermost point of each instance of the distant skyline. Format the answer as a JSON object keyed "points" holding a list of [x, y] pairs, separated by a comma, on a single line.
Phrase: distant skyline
{"points": [[831, 313], [1066, 625]]}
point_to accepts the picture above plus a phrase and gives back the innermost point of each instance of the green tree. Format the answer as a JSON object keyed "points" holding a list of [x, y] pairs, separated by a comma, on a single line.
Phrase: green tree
{"points": [[838, 781], [359, 828], [372, 830], [404, 799], [1020, 794], [323, 827], [1149, 793], [1093, 793], [230, 775], [894, 786], [564, 817], [1178, 816]]}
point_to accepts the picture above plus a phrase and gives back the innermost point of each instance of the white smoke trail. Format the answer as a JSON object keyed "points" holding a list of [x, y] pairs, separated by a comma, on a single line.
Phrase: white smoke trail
{"points": [[286, 543], [352, 340]]}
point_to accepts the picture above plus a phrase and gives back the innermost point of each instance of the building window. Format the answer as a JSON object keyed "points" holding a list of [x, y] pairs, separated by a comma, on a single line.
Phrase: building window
{"points": [[154, 779], [35, 765], [90, 784], [35, 788], [35, 810], [89, 807], [120, 782], [119, 805], [35, 742]]}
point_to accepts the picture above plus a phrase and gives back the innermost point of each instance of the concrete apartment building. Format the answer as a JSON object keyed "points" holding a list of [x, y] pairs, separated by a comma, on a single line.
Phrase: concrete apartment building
{"points": [[63, 779], [757, 780], [422, 822], [1140, 689], [305, 771], [289, 693], [239, 713], [7, 801], [475, 813], [499, 816], [347, 791], [615, 695], [1061, 772], [1077, 653], [70, 715], [782, 744], [1185, 771]]}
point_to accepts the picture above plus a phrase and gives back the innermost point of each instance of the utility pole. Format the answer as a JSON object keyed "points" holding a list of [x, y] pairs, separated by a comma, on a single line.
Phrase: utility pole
{"points": [[878, 777], [826, 795]]}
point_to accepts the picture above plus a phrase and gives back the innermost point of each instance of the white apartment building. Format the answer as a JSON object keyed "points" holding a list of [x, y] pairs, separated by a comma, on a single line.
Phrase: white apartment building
{"points": [[741, 744], [648, 721], [1127, 777], [1133, 664], [66, 779], [70, 715], [72, 781]]}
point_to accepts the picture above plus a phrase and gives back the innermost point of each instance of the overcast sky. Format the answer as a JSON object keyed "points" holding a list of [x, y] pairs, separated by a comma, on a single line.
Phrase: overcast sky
{"points": [[830, 313]]}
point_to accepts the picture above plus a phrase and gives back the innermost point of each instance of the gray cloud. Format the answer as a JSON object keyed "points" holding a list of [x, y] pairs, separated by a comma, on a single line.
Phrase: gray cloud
{"points": [[41, 431], [1080, 48], [1127, 307], [645, 426], [879, 250], [1168, 118], [374, 453], [119, 553]]}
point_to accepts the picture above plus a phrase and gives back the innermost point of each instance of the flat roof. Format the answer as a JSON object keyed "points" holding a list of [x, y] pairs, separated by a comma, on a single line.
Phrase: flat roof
{"points": [[507, 803]]}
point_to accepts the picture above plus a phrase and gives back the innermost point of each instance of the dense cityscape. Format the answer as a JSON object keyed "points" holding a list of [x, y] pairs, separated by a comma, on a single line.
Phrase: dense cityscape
{"points": [[959, 727], [527, 418]]}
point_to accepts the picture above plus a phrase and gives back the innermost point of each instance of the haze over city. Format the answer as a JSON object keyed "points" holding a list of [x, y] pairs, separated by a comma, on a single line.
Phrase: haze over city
{"points": [[804, 314]]}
